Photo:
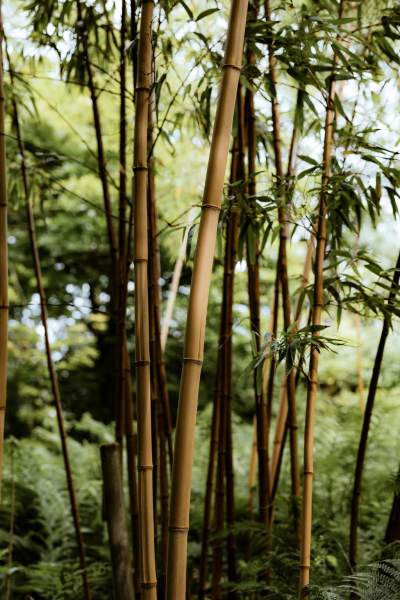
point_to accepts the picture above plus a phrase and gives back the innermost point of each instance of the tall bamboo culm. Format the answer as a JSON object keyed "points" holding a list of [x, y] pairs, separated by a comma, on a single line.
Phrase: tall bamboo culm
{"points": [[50, 365], [3, 258], [282, 267], [253, 284], [197, 311], [362, 447], [142, 343], [224, 503], [318, 303]]}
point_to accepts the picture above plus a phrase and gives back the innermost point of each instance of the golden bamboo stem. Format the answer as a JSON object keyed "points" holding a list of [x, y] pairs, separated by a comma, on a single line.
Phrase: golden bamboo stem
{"points": [[312, 388], [197, 311], [145, 458]]}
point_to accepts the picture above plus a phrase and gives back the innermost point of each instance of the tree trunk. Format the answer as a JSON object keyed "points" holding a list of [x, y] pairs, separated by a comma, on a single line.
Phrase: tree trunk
{"points": [[116, 521], [197, 312]]}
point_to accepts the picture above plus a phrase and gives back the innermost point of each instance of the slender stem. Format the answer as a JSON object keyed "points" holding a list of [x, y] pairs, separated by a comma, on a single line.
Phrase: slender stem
{"points": [[50, 364], [369, 407], [4, 309], [141, 259], [312, 388], [283, 268], [173, 290]]}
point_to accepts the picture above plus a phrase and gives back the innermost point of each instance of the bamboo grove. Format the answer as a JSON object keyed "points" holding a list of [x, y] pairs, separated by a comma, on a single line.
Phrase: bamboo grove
{"points": [[199, 277]]}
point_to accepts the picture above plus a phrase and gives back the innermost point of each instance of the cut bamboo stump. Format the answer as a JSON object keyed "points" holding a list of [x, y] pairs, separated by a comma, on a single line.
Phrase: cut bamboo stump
{"points": [[114, 509]]}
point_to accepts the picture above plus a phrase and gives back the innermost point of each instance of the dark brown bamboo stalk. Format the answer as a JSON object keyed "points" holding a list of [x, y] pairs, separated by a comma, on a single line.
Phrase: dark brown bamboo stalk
{"points": [[122, 279], [116, 521], [253, 282], [362, 447], [102, 165], [3, 258], [159, 354], [392, 533], [282, 267], [211, 478], [141, 258], [220, 497], [225, 458], [282, 420], [197, 311], [227, 392], [312, 388], [50, 365]]}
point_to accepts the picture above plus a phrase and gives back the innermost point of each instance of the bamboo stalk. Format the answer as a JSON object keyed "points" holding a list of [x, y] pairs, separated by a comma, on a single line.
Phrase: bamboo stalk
{"points": [[214, 441], [50, 364], [196, 318], [116, 521], [4, 309], [156, 274], [312, 388], [122, 280], [220, 497], [145, 459], [173, 290], [131, 448], [225, 458], [252, 478], [102, 166], [362, 447], [283, 270], [253, 284], [281, 421]]}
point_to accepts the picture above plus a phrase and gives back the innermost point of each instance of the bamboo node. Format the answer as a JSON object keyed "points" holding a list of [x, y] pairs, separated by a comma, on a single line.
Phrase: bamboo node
{"points": [[148, 584], [145, 467], [176, 529], [142, 88], [212, 206], [140, 260], [195, 361], [140, 168], [142, 363], [232, 66]]}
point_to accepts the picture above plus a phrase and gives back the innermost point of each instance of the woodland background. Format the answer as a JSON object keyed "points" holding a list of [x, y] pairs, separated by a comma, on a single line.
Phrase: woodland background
{"points": [[38, 556]]}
